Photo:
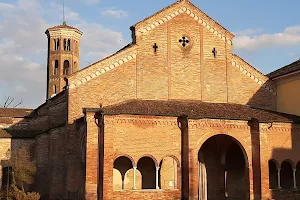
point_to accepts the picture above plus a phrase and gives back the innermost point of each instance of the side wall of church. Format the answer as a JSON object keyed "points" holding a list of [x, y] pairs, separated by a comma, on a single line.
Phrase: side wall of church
{"points": [[51, 147]]}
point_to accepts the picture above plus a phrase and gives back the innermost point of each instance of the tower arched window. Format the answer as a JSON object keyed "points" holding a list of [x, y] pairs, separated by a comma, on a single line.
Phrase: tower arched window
{"points": [[69, 45], [56, 66], [54, 89], [66, 67], [56, 44], [65, 44]]}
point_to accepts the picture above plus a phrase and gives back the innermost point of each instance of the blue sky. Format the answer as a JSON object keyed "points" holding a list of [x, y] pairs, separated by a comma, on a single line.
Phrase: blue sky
{"points": [[267, 34]]}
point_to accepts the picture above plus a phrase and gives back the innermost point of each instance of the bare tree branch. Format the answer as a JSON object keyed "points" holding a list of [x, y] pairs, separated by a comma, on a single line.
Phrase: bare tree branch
{"points": [[7, 99], [20, 103], [9, 102]]}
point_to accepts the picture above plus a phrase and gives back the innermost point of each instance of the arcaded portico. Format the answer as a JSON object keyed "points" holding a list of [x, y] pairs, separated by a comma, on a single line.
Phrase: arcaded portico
{"points": [[197, 157]]}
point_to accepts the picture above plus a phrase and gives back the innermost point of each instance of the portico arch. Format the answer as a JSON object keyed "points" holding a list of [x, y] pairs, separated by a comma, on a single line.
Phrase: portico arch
{"points": [[223, 169], [121, 166]]}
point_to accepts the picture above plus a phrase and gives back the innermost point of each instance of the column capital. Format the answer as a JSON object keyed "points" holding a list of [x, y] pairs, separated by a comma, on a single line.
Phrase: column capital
{"points": [[134, 167], [157, 168], [294, 170], [279, 169]]}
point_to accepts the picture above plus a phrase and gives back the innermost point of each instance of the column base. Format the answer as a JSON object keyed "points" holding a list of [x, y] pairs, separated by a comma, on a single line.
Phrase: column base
{"points": [[91, 196]]}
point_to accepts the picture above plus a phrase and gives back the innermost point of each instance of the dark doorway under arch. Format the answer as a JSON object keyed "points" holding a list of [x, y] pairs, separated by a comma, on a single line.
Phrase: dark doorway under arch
{"points": [[148, 170], [286, 175], [223, 170]]}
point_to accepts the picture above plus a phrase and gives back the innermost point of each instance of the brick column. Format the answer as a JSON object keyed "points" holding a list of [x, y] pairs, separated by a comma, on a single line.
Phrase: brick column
{"points": [[134, 178], [185, 161], [278, 178], [1, 176], [256, 158], [156, 178], [294, 178], [91, 182]]}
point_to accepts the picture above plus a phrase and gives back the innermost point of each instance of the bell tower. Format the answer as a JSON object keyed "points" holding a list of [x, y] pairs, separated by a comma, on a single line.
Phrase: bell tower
{"points": [[63, 56]]}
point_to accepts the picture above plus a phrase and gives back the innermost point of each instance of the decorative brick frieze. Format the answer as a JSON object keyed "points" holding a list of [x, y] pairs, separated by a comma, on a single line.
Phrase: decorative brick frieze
{"points": [[196, 124], [123, 119]]}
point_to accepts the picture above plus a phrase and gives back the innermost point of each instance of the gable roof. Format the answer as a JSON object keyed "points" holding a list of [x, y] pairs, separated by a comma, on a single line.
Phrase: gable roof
{"points": [[178, 8], [291, 68], [197, 109]]}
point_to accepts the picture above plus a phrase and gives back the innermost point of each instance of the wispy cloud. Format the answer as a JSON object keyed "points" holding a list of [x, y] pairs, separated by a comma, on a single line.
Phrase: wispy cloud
{"points": [[248, 32], [115, 13], [251, 41], [23, 47], [90, 2]]}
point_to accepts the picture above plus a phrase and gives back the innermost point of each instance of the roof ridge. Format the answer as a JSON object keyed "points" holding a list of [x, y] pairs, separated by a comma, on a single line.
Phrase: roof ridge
{"points": [[277, 73], [199, 110]]}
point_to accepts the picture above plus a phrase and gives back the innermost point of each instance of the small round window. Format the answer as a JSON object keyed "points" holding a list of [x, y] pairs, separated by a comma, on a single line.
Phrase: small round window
{"points": [[184, 41]]}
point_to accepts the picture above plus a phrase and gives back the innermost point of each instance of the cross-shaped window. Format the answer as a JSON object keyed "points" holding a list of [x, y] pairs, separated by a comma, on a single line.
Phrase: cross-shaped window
{"points": [[184, 41], [155, 48], [215, 52]]}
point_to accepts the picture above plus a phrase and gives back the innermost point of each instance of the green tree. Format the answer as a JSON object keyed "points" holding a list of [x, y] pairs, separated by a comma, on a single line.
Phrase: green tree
{"points": [[23, 167]]}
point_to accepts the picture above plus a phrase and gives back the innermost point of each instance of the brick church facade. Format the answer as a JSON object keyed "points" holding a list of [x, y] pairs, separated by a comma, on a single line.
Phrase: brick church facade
{"points": [[173, 115]]}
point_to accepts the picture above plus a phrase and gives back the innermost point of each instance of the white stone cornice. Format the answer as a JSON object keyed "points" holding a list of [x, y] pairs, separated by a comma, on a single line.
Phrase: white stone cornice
{"points": [[258, 79], [184, 9], [100, 69]]}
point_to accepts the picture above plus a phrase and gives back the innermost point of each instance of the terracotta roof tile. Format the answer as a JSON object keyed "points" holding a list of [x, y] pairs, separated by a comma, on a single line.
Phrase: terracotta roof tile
{"points": [[14, 112], [198, 109], [293, 67], [63, 26], [6, 120]]}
